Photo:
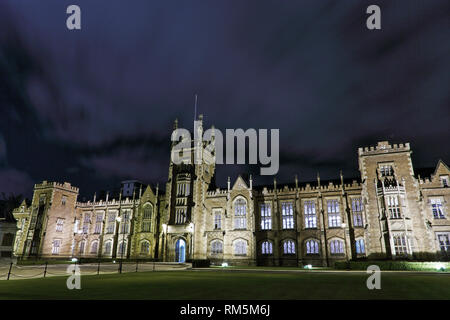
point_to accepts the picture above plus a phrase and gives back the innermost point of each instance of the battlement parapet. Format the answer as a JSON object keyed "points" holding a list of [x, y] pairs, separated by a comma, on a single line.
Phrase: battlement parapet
{"points": [[49, 184], [112, 202], [217, 192], [383, 147]]}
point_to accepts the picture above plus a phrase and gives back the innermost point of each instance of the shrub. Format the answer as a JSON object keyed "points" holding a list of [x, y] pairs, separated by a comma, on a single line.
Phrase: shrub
{"points": [[392, 265], [201, 263]]}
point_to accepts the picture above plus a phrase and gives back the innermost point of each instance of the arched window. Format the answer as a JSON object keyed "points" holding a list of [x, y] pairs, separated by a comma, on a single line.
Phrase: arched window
{"points": [[108, 246], [266, 247], [312, 247], [289, 247], [216, 247], [337, 247], [148, 209], [147, 218], [240, 248], [240, 213], [94, 247], [360, 248], [122, 248], [82, 246], [145, 247]]}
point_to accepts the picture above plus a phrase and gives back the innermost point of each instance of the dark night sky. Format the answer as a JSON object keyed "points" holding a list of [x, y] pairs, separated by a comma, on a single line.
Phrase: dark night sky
{"points": [[96, 106]]}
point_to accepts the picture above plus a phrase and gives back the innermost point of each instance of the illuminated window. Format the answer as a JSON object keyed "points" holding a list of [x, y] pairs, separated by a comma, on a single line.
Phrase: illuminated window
{"points": [[86, 222], [240, 214], [122, 248], [98, 223], [145, 247], [312, 247], [147, 212], [334, 217], [147, 218], [266, 247], [436, 207], [94, 247], [125, 222], [337, 247], [444, 243], [393, 207], [108, 246], [287, 213], [400, 244], [180, 216], [357, 209], [240, 248], [444, 181], [360, 248], [111, 223], [59, 224], [217, 219], [183, 189], [82, 246], [386, 170], [310, 214], [56, 246], [216, 247], [289, 247], [266, 217]]}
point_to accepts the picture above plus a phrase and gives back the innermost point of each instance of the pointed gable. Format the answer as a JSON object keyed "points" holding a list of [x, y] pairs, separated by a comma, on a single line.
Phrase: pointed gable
{"points": [[441, 169], [239, 184], [148, 193], [441, 174], [23, 204]]}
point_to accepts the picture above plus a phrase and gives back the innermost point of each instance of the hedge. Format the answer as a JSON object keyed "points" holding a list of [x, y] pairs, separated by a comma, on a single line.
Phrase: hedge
{"points": [[392, 265]]}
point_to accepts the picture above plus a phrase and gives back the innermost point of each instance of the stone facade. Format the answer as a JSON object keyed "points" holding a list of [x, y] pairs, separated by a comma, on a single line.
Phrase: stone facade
{"points": [[7, 234], [390, 212]]}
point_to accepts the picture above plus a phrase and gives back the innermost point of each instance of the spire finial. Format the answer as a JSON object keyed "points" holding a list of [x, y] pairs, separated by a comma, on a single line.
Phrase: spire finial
{"points": [[195, 107]]}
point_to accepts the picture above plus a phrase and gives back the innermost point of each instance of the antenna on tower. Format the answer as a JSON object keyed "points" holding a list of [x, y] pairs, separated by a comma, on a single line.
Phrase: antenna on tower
{"points": [[195, 107]]}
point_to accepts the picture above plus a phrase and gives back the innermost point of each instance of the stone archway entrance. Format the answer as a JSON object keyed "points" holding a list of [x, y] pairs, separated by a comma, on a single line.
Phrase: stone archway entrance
{"points": [[180, 250]]}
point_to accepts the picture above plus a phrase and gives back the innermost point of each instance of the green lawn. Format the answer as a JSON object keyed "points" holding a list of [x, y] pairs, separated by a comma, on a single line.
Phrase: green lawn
{"points": [[231, 285]]}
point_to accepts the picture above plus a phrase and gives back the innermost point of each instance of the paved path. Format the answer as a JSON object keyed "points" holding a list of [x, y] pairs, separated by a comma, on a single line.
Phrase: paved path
{"points": [[37, 271]]}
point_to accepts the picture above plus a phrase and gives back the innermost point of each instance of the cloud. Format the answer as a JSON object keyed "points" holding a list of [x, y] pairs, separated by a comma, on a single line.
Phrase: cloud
{"points": [[2, 150], [15, 182], [103, 100]]}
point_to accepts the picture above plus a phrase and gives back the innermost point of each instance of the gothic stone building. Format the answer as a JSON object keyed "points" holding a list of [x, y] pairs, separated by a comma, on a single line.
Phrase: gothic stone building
{"points": [[390, 212]]}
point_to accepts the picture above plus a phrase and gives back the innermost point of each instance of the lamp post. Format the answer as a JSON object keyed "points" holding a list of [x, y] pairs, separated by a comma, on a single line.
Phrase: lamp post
{"points": [[80, 233], [165, 241], [344, 225], [191, 228], [119, 219]]}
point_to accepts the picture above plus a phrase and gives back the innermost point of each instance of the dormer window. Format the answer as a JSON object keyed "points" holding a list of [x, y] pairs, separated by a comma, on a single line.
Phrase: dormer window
{"points": [[444, 181]]}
